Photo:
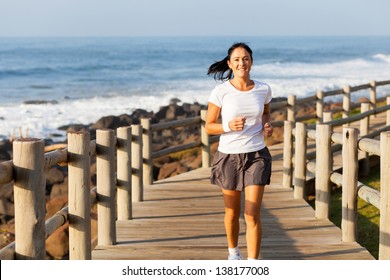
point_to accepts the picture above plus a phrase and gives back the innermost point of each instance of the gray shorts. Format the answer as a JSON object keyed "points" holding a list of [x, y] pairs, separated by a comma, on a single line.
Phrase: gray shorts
{"points": [[236, 171]]}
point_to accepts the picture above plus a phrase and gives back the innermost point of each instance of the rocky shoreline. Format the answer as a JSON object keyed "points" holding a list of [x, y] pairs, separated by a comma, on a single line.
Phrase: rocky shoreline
{"points": [[166, 166]]}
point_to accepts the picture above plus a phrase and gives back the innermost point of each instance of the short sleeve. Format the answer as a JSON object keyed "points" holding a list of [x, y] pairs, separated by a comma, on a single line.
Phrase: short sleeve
{"points": [[269, 95], [215, 97]]}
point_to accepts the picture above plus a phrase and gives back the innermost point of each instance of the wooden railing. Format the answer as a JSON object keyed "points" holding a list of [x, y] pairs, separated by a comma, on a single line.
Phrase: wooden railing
{"points": [[298, 162], [129, 151], [322, 116], [124, 166]]}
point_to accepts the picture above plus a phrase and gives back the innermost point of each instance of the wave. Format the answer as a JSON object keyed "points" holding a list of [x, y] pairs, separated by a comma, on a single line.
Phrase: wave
{"points": [[382, 57], [304, 79], [41, 87], [23, 72], [42, 119]]}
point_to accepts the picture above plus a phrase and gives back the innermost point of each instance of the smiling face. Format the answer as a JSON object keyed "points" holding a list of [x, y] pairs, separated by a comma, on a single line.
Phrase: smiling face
{"points": [[240, 62]]}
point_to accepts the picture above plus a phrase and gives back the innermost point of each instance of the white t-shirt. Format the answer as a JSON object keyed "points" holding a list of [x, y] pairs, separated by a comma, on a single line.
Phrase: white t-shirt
{"points": [[248, 104]]}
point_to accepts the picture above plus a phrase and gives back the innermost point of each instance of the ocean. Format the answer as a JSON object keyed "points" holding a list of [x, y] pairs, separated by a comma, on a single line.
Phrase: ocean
{"points": [[49, 82]]}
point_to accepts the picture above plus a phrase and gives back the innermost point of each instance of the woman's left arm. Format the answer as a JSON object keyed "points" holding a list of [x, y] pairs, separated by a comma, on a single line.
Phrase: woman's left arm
{"points": [[267, 128]]}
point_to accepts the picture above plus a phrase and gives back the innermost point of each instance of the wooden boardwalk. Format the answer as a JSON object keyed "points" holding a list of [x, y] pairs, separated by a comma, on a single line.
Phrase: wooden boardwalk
{"points": [[182, 218]]}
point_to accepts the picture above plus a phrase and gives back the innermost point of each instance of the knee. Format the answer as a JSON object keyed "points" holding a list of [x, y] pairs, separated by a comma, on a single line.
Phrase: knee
{"points": [[232, 216], [252, 218]]}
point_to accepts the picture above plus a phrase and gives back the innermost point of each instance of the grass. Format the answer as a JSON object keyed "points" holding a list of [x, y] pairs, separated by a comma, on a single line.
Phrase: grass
{"points": [[368, 215], [336, 116], [353, 112], [368, 218]]}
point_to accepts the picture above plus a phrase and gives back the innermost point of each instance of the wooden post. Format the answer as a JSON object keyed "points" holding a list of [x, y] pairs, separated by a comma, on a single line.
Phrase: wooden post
{"points": [[373, 94], [364, 123], [29, 199], [105, 181], [364, 126], [388, 111], [137, 188], [205, 140], [346, 101], [300, 160], [291, 107], [384, 222], [147, 164], [320, 106], [287, 155], [79, 202], [124, 173], [328, 116], [349, 185], [323, 171]]}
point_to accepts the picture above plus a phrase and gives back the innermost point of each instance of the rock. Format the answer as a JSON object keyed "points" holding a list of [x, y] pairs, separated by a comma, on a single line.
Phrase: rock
{"points": [[174, 111], [112, 122], [126, 120], [57, 245], [140, 113], [336, 105], [92, 171], [192, 162], [363, 100], [7, 207], [196, 108], [38, 102], [7, 191], [174, 101], [7, 234], [278, 99], [74, 128], [171, 169], [162, 113], [59, 189], [170, 112], [5, 150], [54, 176], [55, 204]]}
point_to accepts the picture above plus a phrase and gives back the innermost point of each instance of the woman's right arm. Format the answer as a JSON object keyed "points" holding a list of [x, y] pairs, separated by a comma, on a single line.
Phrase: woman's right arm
{"points": [[212, 125]]}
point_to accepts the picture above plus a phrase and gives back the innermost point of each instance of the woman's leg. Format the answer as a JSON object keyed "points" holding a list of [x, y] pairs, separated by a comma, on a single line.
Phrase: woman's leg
{"points": [[253, 198], [232, 201]]}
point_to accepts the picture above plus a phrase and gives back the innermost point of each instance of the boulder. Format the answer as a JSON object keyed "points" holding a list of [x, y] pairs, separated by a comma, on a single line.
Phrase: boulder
{"points": [[111, 122], [171, 169], [54, 176], [57, 245], [5, 150]]}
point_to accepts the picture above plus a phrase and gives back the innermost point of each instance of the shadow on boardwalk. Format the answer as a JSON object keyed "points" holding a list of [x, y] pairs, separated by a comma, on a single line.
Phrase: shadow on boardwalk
{"points": [[182, 218]]}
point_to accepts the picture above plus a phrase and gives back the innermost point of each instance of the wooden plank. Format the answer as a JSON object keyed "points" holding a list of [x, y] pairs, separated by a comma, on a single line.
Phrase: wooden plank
{"points": [[182, 218]]}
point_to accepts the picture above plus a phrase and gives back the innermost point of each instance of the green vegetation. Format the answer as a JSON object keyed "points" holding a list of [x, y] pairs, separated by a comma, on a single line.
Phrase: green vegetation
{"points": [[336, 116], [368, 218], [353, 112]]}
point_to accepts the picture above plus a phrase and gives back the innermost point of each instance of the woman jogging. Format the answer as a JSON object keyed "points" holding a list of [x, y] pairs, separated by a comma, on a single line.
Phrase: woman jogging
{"points": [[242, 162]]}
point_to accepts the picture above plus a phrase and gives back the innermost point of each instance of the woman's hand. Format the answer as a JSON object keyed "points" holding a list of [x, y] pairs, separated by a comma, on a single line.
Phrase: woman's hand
{"points": [[268, 130], [237, 123]]}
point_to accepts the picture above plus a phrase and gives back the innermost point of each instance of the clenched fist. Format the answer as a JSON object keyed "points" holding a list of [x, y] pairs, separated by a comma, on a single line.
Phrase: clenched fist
{"points": [[237, 123], [268, 130]]}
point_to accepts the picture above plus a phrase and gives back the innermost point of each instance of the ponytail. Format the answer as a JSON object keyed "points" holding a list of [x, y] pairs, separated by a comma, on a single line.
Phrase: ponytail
{"points": [[219, 68]]}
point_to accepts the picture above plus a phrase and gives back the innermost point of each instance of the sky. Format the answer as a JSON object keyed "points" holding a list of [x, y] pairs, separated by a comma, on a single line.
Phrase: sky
{"points": [[19, 18]]}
